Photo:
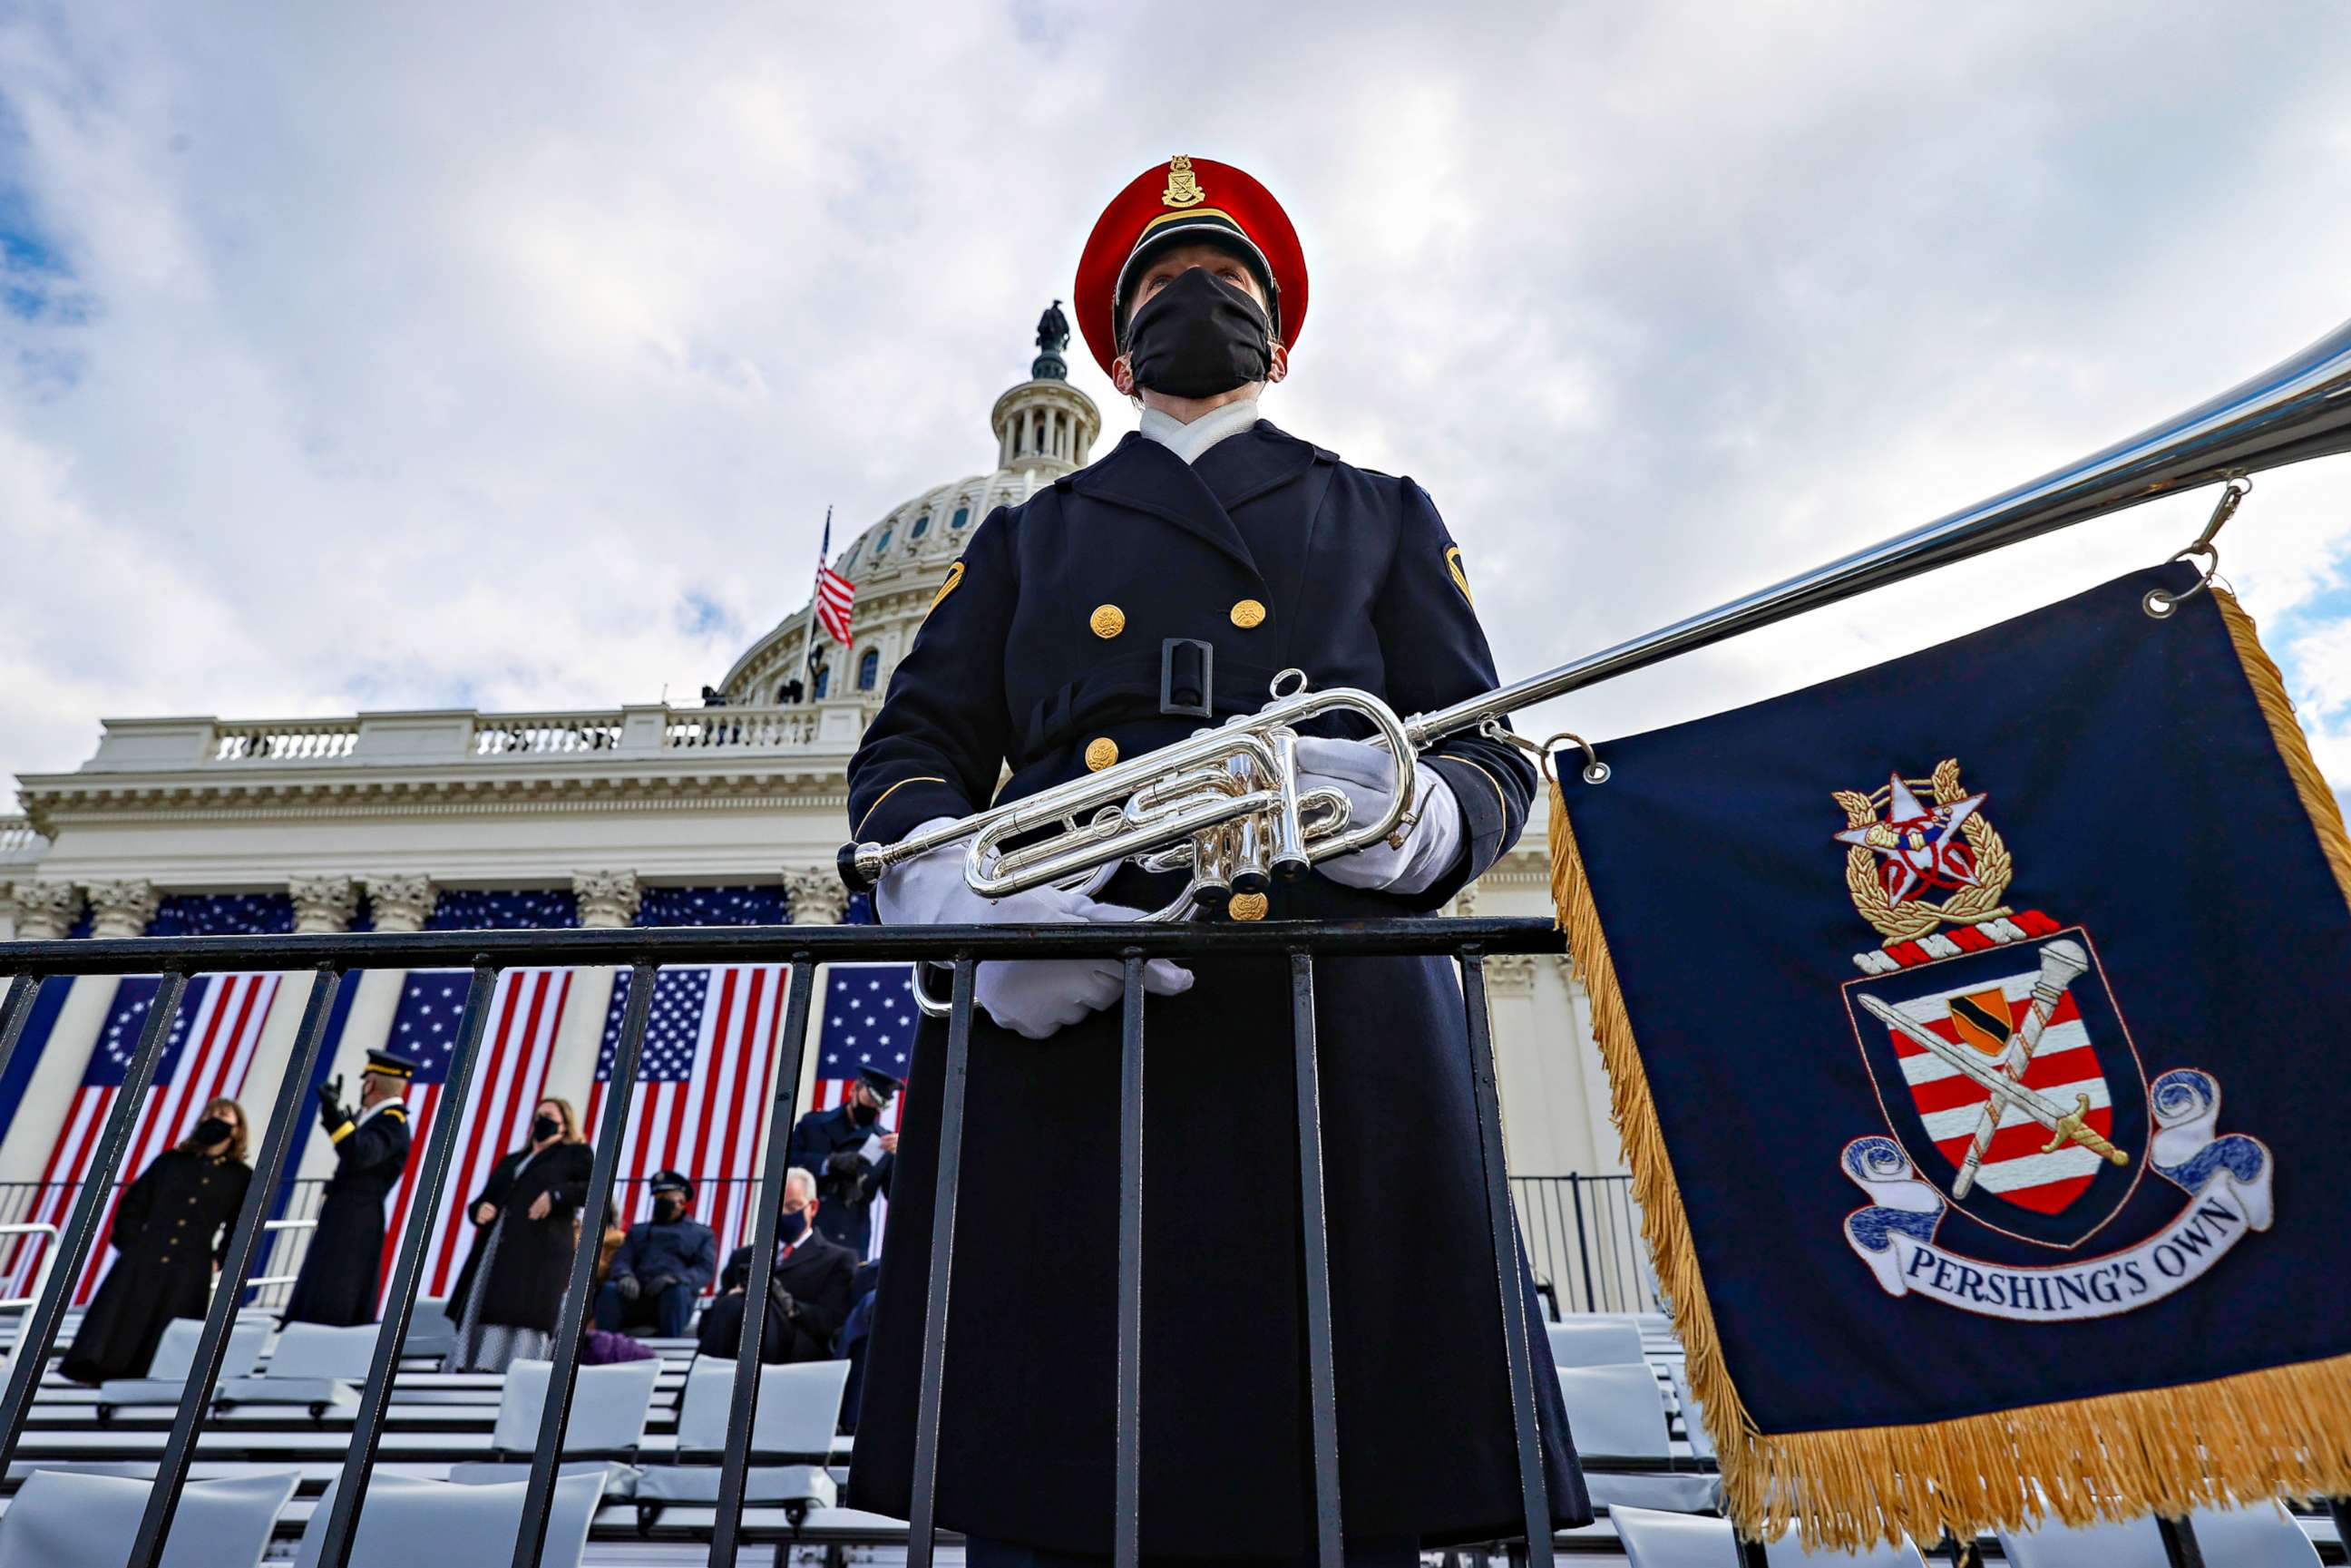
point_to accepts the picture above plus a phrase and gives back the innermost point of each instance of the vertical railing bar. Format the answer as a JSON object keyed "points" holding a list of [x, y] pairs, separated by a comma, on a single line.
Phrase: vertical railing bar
{"points": [[922, 1531], [1126, 1531], [2181, 1548], [39, 1330], [407, 1270], [1582, 1242], [743, 1403], [1752, 1553], [563, 1373], [1322, 1381], [23, 987], [1502, 1235], [285, 1123]]}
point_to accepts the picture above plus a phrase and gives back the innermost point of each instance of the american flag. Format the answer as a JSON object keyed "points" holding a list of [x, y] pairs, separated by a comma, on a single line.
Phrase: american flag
{"points": [[510, 1077], [703, 1082], [834, 593], [205, 1056], [869, 1021]]}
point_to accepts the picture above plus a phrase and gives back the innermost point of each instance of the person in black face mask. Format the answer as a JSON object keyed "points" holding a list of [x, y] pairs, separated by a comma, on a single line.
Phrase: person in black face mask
{"points": [[510, 1292], [1116, 609], [664, 1263], [853, 1150], [808, 1289], [168, 1231]]}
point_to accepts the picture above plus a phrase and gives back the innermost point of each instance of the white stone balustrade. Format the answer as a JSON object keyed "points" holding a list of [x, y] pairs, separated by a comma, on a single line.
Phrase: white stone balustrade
{"points": [[19, 845], [459, 736]]}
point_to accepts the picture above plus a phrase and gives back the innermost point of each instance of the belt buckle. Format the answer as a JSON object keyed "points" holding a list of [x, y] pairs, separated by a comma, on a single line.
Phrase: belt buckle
{"points": [[1170, 650]]}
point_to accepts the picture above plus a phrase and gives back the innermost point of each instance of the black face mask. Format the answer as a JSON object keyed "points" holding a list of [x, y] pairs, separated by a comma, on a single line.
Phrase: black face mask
{"points": [[863, 1114], [211, 1130], [544, 1128], [1197, 336], [666, 1210]]}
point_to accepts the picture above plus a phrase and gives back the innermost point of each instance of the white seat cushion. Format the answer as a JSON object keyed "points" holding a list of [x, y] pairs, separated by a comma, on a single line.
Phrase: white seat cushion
{"points": [[409, 1522], [1617, 1410], [61, 1519], [767, 1486], [1594, 1342]]}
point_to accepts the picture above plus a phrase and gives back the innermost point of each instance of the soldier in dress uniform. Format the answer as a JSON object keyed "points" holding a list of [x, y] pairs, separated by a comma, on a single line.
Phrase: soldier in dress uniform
{"points": [[852, 1157], [1119, 610], [338, 1274]]}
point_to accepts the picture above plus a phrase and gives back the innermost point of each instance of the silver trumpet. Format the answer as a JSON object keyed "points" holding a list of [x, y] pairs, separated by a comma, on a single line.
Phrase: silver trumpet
{"points": [[1225, 804]]}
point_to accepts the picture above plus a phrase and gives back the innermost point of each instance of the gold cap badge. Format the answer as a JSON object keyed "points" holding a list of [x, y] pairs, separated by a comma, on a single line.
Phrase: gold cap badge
{"points": [[1248, 906], [1101, 752], [1183, 185], [1108, 621]]}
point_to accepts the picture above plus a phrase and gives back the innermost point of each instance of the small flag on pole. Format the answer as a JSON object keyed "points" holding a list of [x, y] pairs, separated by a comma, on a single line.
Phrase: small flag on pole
{"points": [[835, 594]]}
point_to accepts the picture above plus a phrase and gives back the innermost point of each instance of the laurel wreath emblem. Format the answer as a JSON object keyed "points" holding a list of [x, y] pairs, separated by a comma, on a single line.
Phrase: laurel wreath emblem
{"points": [[1909, 921]]}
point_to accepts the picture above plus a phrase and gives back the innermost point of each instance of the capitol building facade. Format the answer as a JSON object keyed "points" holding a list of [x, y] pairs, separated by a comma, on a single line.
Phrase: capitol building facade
{"points": [[632, 814]]}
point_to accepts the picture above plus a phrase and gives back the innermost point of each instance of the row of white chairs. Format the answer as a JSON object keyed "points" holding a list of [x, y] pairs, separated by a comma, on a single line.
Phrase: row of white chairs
{"points": [[2262, 1536]]}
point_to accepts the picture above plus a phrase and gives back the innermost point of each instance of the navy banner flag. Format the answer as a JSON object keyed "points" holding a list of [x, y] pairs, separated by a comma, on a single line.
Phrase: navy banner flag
{"points": [[1978, 1025]]}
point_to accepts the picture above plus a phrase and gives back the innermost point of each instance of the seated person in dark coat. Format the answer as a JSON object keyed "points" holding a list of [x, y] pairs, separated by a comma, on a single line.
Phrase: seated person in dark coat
{"points": [[171, 1227], [663, 1265], [808, 1293], [852, 1157]]}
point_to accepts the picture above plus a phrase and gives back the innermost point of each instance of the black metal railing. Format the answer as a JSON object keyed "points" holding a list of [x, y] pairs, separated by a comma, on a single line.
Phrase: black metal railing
{"points": [[1583, 1237], [333, 958]]}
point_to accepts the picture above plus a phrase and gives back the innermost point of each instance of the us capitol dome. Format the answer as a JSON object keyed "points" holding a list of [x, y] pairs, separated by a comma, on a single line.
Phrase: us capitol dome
{"points": [[1044, 428]]}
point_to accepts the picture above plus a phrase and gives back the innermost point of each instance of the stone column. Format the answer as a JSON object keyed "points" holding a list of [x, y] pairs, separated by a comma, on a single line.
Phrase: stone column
{"points": [[122, 908], [400, 902], [46, 911], [323, 905], [816, 897], [608, 899]]}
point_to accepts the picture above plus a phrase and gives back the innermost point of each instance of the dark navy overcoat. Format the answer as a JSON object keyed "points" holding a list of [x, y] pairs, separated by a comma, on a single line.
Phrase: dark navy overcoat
{"points": [[1045, 640]]}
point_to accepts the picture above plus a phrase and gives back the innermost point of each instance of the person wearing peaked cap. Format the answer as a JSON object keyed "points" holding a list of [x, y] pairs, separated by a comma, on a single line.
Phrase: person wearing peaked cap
{"points": [[853, 1157], [338, 1283], [1115, 611], [664, 1264]]}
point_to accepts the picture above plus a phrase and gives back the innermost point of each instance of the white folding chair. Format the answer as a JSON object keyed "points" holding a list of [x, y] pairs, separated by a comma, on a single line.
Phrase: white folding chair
{"points": [[175, 1356], [1594, 1342], [62, 1519], [312, 1364], [2261, 1536], [1655, 1540], [408, 1520], [610, 1406], [791, 1439], [1616, 1416], [1701, 1441], [431, 1332]]}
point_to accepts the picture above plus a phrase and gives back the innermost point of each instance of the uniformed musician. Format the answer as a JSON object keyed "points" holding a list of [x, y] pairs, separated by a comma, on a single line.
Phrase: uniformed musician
{"points": [[1129, 603], [337, 1282], [853, 1157]]}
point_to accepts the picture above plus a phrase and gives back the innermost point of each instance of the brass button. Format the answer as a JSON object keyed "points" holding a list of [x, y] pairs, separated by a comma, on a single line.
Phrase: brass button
{"points": [[1249, 612], [1101, 752], [1107, 622], [1248, 906]]}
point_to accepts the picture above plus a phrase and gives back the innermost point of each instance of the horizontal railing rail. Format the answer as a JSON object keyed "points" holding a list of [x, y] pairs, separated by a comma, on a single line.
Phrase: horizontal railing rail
{"points": [[334, 958]]}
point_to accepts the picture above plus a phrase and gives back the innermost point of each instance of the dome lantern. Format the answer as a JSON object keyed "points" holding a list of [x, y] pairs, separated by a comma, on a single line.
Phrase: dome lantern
{"points": [[1045, 425]]}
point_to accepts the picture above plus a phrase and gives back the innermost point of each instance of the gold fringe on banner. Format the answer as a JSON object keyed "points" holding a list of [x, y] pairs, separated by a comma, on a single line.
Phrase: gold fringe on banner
{"points": [[2281, 1431]]}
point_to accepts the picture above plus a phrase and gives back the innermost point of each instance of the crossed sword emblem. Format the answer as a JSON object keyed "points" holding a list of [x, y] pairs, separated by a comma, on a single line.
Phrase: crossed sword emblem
{"points": [[2061, 963]]}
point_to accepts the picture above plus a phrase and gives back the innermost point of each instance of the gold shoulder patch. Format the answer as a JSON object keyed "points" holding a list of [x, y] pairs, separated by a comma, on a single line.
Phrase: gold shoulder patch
{"points": [[398, 1111], [955, 577], [1460, 578]]}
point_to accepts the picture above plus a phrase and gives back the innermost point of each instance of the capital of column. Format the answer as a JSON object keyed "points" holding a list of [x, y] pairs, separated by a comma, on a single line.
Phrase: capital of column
{"points": [[815, 897], [46, 911], [1512, 974], [400, 902], [1465, 902], [608, 899], [122, 908], [323, 905]]}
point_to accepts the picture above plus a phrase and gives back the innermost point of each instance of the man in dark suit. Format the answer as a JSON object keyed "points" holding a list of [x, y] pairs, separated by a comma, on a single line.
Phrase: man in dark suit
{"points": [[807, 1292], [336, 1285], [852, 1157]]}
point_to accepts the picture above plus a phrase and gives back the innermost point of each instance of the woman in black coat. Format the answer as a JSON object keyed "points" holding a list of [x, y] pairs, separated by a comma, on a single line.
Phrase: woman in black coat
{"points": [[170, 1230], [525, 1218]]}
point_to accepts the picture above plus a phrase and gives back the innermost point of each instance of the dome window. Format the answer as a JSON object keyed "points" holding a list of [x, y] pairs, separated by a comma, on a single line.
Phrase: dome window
{"points": [[922, 525], [962, 515], [882, 545], [868, 669], [824, 686]]}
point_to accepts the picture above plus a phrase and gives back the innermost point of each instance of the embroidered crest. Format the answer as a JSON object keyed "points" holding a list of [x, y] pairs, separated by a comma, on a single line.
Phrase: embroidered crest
{"points": [[1183, 185], [2013, 1094], [1943, 843]]}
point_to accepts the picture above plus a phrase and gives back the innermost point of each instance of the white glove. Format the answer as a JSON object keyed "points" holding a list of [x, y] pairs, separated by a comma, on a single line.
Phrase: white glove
{"points": [[1365, 774], [1030, 996]]}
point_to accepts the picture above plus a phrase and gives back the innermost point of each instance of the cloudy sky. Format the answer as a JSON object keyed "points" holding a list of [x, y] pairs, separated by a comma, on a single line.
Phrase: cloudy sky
{"points": [[375, 357]]}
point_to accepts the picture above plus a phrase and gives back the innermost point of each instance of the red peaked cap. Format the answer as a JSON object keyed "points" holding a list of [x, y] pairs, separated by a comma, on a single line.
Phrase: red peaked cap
{"points": [[1186, 199]]}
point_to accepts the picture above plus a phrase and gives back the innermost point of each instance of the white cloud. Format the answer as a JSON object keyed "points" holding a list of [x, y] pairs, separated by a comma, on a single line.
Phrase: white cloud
{"points": [[511, 355]]}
